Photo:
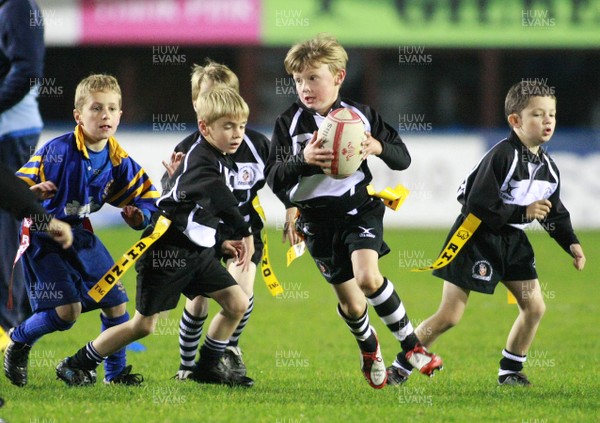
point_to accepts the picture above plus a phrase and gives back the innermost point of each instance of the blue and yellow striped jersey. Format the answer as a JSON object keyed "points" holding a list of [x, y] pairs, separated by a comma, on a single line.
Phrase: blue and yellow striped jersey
{"points": [[65, 161]]}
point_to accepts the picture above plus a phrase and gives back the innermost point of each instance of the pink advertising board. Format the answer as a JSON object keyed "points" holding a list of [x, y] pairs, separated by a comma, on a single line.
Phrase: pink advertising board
{"points": [[170, 21]]}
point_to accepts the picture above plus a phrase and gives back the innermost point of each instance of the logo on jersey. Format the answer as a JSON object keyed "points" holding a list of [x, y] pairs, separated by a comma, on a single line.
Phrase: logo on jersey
{"points": [[75, 208], [107, 189], [482, 270], [230, 177], [366, 232], [506, 194], [246, 177]]}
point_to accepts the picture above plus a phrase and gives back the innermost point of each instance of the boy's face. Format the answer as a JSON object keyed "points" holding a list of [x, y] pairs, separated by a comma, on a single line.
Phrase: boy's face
{"points": [[317, 88], [225, 134], [535, 124], [99, 117]]}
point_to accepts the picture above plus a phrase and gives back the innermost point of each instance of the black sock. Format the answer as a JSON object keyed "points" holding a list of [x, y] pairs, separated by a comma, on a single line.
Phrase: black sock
{"points": [[511, 362], [409, 342], [361, 329], [389, 307], [211, 352], [87, 358], [369, 344]]}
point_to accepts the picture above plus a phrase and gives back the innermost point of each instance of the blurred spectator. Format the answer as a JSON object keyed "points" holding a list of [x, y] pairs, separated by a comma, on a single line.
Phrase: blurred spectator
{"points": [[21, 69]]}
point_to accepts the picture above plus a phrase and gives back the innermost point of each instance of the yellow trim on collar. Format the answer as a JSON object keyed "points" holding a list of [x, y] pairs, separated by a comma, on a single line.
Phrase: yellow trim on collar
{"points": [[115, 151]]}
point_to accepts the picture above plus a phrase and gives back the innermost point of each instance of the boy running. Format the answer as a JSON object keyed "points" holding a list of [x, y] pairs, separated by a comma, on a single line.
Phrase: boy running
{"points": [[515, 183], [341, 223]]}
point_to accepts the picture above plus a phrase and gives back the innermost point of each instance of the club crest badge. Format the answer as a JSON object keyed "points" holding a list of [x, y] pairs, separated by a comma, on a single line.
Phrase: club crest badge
{"points": [[482, 270], [323, 268], [246, 177]]}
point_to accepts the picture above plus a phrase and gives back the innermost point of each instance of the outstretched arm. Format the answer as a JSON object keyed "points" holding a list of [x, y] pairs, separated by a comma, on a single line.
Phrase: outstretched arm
{"points": [[578, 256], [21, 202]]}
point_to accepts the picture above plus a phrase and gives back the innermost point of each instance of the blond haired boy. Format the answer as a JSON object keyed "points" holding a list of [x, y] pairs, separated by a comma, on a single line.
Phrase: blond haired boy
{"points": [[75, 175], [199, 198], [250, 160], [342, 225]]}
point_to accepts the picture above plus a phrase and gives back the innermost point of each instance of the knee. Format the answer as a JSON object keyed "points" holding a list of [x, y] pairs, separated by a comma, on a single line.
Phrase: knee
{"points": [[368, 281], [235, 304], [353, 310], [535, 309], [198, 306], [144, 327], [69, 312], [238, 307], [116, 311], [443, 321]]}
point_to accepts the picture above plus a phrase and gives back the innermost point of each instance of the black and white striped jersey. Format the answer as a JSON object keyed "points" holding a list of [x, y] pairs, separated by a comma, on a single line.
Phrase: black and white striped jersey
{"points": [[306, 186], [201, 195], [250, 159], [509, 178]]}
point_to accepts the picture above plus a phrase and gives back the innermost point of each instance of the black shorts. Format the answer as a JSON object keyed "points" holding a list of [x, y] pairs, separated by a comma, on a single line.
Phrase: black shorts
{"points": [[331, 240], [488, 258], [174, 265]]}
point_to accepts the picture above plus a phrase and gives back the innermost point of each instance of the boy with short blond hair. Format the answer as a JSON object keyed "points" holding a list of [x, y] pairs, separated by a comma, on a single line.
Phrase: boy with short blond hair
{"points": [[199, 199], [315, 52], [76, 174], [515, 183], [93, 84], [342, 225], [250, 159]]}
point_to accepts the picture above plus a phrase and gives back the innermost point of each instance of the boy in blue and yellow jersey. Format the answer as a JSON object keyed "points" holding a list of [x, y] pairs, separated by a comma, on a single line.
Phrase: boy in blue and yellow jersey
{"points": [[74, 175]]}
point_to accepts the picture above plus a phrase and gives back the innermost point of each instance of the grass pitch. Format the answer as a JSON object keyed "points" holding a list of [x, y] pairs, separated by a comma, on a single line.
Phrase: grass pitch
{"points": [[305, 363]]}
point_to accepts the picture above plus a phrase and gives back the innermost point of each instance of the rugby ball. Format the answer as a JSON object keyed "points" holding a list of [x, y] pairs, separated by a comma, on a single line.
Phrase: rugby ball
{"points": [[343, 131]]}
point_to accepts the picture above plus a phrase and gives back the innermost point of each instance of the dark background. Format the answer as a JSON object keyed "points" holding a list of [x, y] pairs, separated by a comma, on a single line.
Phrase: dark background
{"points": [[457, 89]]}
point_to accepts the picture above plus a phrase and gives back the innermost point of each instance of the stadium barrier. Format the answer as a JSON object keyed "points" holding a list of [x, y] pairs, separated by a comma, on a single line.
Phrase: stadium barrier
{"points": [[440, 162]]}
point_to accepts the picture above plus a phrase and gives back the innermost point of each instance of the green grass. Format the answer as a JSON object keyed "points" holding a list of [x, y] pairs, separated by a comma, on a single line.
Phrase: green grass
{"points": [[306, 364]]}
